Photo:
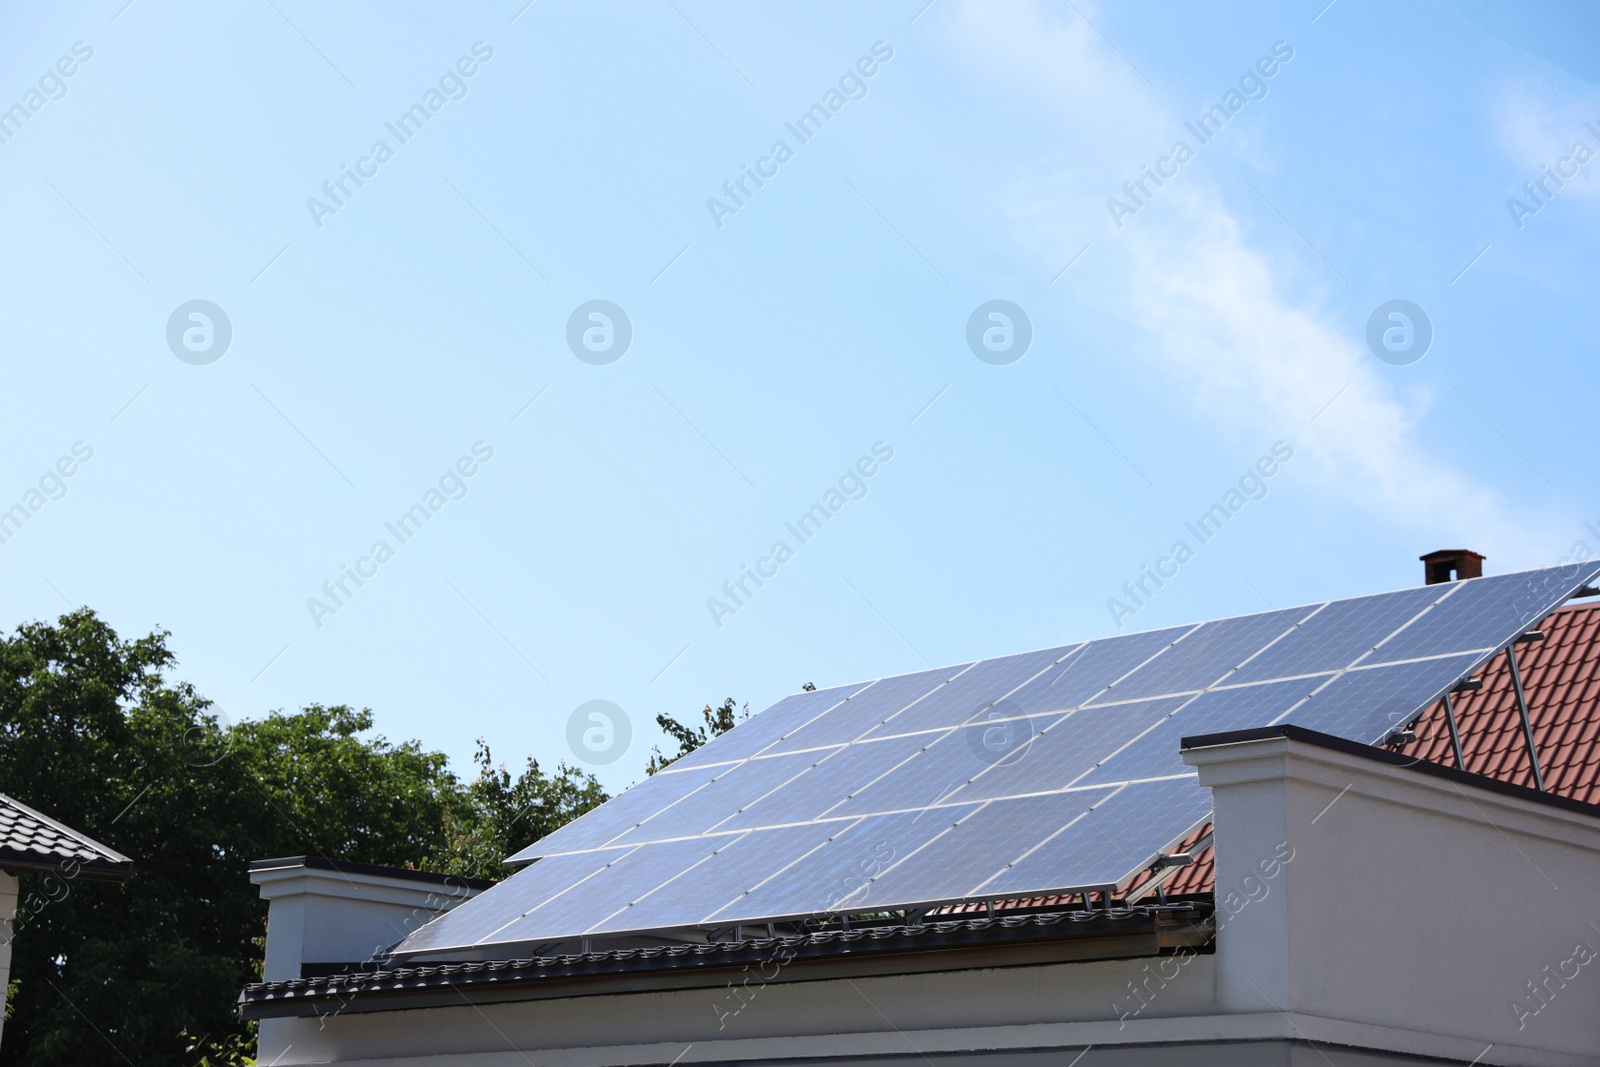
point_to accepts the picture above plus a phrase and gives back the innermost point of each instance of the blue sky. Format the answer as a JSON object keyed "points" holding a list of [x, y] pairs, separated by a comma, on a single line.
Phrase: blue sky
{"points": [[774, 346]]}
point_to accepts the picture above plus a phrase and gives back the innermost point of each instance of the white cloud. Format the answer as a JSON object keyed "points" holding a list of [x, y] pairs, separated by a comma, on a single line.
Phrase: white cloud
{"points": [[1260, 363]]}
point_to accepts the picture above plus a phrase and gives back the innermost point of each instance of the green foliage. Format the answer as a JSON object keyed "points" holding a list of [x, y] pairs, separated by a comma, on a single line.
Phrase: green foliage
{"points": [[499, 815], [94, 733], [718, 721]]}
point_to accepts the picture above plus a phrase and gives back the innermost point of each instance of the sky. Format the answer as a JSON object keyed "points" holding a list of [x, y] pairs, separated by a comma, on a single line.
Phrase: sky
{"points": [[619, 291]]}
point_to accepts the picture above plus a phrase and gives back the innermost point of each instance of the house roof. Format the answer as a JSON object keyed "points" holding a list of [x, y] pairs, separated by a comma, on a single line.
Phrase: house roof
{"points": [[1561, 681], [32, 842]]}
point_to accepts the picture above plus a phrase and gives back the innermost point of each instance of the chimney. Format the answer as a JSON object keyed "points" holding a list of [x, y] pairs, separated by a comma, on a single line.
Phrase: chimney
{"points": [[1452, 564]]}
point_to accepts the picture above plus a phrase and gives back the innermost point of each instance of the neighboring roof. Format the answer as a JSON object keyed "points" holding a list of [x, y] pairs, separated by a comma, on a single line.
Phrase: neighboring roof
{"points": [[1061, 936], [33, 842], [1561, 680], [322, 863]]}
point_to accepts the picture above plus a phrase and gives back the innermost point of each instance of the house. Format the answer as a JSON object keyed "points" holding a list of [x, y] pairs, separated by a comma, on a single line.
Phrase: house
{"points": [[33, 843], [1360, 832]]}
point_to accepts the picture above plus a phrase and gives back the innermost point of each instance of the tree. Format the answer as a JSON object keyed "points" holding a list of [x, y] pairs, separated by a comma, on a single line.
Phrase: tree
{"points": [[718, 721], [499, 815], [93, 732]]}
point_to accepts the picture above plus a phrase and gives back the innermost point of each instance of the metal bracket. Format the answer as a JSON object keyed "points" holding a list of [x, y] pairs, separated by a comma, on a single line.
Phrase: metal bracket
{"points": [[1522, 708]]}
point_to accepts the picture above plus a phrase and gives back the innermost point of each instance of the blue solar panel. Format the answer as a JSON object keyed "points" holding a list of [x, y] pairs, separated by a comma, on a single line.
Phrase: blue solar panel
{"points": [[974, 691], [1155, 754], [1366, 704], [860, 796], [820, 881], [1070, 748], [619, 814], [1121, 836], [1094, 666], [1203, 656], [754, 734], [1338, 635], [866, 709], [835, 774], [734, 786], [1483, 613], [630, 875], [744, 860], [478, 918], [954, 864], [946, 763]]}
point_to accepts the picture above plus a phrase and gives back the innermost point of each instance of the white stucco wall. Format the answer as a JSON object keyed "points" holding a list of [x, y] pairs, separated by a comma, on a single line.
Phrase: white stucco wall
{"points": [[8, 911], [1414, 912], [320, 916]]}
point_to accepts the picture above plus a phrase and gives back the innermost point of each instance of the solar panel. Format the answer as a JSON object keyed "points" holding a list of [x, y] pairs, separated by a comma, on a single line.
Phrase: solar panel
{"points": [[755, 734], [1071, 748], [618, 815], [1478, 614], [869, 707], [1204, 655], [1367, 703], [1118, 837], [834, 774], [745, 860], [1049, 771], [1337, 635], [970, 694], [1092, 668], [1214, 712], [838, 869], [954, 864]]}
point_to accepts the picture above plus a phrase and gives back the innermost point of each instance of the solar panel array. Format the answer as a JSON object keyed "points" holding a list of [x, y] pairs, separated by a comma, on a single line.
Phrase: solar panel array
{"points": [[1055, 770]]}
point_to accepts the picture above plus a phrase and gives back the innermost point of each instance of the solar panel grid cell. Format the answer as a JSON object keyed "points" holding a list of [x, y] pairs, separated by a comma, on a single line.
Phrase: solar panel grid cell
{"points": [[1069, 749], [967, 696], [721, 798], [842, 866], [758, 732], [1096, 665], [833, 774], [868, 708], [1118, 837], [1336, 636], [1203, 656], [696, 893], [628, 877], [1155, 754], [1482, 613], [955, 863], [1366, 704], [618, 815]]}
